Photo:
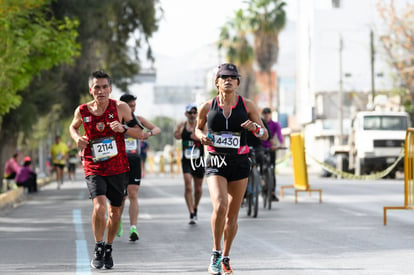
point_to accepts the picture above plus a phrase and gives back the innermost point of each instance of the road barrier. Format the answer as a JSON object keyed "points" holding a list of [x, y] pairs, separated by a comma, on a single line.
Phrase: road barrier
{"points": [[408, 176], [178, 160], [169, 163], [345, 175], [300, 172]]}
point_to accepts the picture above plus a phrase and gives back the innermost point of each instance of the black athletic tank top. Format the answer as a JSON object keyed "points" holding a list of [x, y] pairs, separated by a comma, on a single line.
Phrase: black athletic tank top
{"points": [[132, 147], [228, 136], [191, 148]]}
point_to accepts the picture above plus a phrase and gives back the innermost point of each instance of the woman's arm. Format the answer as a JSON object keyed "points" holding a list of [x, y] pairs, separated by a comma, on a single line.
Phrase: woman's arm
{"points": [[254, 123], [125, 114]]}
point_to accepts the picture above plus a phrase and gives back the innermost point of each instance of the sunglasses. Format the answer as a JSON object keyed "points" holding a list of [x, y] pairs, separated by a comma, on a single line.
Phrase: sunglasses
{"points": [[227, 76], [192, 113]]}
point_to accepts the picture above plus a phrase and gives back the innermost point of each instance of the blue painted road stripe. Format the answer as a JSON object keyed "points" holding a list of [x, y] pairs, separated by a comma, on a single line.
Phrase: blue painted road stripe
{"points": [[82, 256]]}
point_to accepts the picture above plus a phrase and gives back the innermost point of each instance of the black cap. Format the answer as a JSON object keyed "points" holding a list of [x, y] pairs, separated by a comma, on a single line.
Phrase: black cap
{"points": [[227, 69], [127, 98], [266, 110]]}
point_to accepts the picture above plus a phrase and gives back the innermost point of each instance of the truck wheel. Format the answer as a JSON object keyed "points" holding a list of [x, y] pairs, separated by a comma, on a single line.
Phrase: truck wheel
{"points": [[392, 174]]}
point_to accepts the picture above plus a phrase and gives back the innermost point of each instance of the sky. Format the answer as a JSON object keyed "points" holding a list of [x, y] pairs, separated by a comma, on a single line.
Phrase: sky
{"points": [[190, 24], [187, 35], [184, 45]]}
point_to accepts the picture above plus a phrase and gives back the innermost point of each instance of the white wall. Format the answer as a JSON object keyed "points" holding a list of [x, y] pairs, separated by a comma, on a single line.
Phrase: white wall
{"points": [[318, 67]]}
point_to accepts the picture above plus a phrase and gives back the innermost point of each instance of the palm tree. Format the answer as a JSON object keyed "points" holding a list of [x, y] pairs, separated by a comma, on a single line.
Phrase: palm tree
{"points": [[233, 39], [266, 19]]}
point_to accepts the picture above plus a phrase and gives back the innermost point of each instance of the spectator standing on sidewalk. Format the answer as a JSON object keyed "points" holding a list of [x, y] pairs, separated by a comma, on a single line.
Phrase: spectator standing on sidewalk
{"points": [[192, 151], [104, 160], [133, 150]]}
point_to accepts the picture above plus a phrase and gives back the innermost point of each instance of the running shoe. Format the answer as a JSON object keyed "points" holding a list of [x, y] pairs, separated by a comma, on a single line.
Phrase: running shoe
{"points": [[133, 234], [225, 265], [120, 230], [98, 257], [108, 262], [195, 214], [193, 220], [215, 263]]}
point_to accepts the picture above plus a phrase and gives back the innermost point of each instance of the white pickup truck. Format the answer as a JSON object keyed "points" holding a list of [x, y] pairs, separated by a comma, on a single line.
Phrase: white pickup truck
{"points": [[376, 141]]}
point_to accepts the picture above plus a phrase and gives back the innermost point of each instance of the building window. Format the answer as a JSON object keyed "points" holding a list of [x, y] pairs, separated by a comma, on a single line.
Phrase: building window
{"points": [[336, 4]]}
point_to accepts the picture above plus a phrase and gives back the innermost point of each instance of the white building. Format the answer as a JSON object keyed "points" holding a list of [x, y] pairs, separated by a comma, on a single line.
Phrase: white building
{"points": [[334, 56]]}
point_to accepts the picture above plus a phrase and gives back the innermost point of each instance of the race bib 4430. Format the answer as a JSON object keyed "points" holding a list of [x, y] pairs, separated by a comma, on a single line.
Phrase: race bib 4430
{"points": [[226, 140]]}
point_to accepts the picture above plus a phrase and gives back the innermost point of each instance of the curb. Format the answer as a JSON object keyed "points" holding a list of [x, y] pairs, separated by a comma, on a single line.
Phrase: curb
{"points": [[10, 197], [13, 196]]}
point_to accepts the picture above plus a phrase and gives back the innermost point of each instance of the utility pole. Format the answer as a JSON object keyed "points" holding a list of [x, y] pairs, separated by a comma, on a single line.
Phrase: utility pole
{"points": [[340, 94], [340, 138], [372, 66]]}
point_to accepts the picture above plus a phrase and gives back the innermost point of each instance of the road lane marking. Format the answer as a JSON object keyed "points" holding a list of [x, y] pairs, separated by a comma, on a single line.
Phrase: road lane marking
{"points": [[353, 212], [82, 256]]}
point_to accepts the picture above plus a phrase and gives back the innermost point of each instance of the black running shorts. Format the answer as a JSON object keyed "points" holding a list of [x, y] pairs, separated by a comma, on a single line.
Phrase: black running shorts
{"points": [[134, 170], [231, 167], [187, 168], [110, 186]]}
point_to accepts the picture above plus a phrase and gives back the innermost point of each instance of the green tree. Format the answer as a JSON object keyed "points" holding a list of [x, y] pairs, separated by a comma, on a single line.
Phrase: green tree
{"points": [[111, 33], [233, 39], [31, 41], [266, 19], [167, 126]]}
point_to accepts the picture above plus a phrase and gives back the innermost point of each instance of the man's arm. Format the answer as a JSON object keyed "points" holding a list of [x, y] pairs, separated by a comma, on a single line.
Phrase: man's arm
{"points": [[194, 136], [178, 131], [200, 130], [279, 132], [125, 114], [81, 141], [154, 130]]}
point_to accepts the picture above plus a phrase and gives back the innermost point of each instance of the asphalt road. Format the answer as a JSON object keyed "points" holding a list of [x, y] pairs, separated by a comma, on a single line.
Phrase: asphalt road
{"points": [[50, 232]]}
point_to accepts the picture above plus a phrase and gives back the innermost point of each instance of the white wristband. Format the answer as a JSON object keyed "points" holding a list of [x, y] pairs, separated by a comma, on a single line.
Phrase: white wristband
{"points": [[259, 130], [261, 133]]}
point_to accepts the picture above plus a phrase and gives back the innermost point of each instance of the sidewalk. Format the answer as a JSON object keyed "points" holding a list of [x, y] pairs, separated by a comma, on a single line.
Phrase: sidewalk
{"points": [[11, 197]]}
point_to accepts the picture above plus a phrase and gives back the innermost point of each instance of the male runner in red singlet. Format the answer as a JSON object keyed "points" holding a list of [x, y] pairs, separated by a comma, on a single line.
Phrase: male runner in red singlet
{"points": [[104, 159]]}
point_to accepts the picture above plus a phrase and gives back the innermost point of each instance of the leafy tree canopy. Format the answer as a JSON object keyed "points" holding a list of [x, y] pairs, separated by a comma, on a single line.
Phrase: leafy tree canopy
{"points": [[30, 41], [112, 34], [49, 47]]}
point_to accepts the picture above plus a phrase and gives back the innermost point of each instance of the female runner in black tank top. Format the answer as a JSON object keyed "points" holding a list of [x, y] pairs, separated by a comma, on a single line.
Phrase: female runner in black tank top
{"points": [[228, 117]]}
